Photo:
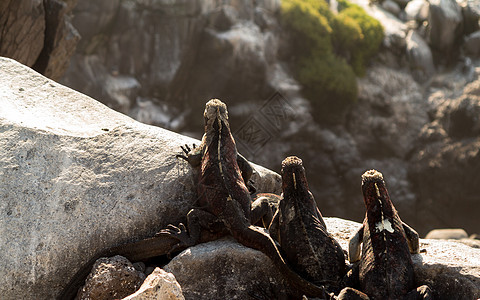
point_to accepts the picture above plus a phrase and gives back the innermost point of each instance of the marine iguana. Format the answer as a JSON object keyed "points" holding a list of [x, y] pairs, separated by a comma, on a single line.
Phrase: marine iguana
{"points": [[224, 199], [385, 267], [299, 228], [160, 244]]}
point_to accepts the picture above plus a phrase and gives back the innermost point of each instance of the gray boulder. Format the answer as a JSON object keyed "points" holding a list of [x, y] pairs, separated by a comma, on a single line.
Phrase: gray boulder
{"points": [[445, 25], [472, 44], [78, 178], [225, 269], [419, 57], [392, 7]]}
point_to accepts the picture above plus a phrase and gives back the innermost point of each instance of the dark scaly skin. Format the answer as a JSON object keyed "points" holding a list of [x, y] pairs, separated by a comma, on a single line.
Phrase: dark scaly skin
{"points": [[385, 267], [299, 228], [224, 197]]}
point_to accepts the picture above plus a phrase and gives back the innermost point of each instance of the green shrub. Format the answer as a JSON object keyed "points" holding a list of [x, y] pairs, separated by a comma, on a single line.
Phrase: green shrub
{"points": [[372, 34], [328, 50], [310, 29], [330, 83]]}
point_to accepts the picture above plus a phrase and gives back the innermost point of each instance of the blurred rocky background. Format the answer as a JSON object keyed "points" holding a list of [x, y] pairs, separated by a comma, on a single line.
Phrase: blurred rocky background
{"points": [[396, 88]]}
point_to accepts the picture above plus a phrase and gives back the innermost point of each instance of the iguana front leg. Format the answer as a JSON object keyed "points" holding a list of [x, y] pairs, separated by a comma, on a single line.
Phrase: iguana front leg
{"points": [[354, 250], [192, 155]]}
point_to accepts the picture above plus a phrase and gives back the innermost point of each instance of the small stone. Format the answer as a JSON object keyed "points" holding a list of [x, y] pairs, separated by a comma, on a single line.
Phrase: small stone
{"points": [[111, 278], [417, 10], [447, 234], [391, 6], [158, 285]]}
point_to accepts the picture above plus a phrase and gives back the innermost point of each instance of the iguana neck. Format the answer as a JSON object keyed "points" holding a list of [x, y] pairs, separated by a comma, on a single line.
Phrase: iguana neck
{"points": [[294, 181]]}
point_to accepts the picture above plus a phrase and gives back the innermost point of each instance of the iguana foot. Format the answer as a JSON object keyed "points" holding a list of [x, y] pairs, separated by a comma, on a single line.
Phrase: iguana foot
{"points": [[186, 149], [421, 293], [179, 233]]}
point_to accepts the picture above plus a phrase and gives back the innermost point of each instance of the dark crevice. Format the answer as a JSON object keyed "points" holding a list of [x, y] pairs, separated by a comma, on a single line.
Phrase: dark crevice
{"points": [[54, 10]]}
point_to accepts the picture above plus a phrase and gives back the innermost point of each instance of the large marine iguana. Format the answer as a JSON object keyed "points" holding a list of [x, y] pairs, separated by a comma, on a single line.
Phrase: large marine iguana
{"points": [[163, 244], [299, 228], [385, 268], [224, 199]]}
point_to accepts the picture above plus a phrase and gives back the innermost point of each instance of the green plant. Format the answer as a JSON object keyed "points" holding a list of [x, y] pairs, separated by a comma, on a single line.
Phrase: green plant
{"points": [[328, 50], [371, 31]]}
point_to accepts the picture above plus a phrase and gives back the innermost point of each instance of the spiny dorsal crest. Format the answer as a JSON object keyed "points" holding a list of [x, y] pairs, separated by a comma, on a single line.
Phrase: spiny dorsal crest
{"points": [[372, 175], [215, 108]]}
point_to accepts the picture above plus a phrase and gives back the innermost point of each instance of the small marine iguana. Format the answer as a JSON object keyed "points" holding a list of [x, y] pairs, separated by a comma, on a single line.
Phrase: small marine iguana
{"points": [[385, 267], [224, 199], [299, 228]]}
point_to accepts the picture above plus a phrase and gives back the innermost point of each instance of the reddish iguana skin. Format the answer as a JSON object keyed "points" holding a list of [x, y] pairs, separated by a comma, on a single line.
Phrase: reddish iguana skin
{"points": [[223, 197], [385, 267]]}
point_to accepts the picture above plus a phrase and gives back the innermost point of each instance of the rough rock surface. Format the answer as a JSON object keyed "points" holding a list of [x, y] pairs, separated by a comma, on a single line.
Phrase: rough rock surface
{"points": [[445, 162], [419, 56], [472, 44], [111, 278], [158, 285], [445, 234], [225, 269], [78, 178], [445, 24], [38, 34]]}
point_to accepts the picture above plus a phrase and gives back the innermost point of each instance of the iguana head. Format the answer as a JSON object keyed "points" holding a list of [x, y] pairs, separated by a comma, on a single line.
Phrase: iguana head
{"points": [[215, 110], [374, 189], [293, 174]]}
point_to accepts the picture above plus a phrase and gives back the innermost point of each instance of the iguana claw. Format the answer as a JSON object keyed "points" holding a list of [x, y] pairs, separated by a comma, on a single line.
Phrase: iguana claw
{"points": [[181, 156], [179, 233]]}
